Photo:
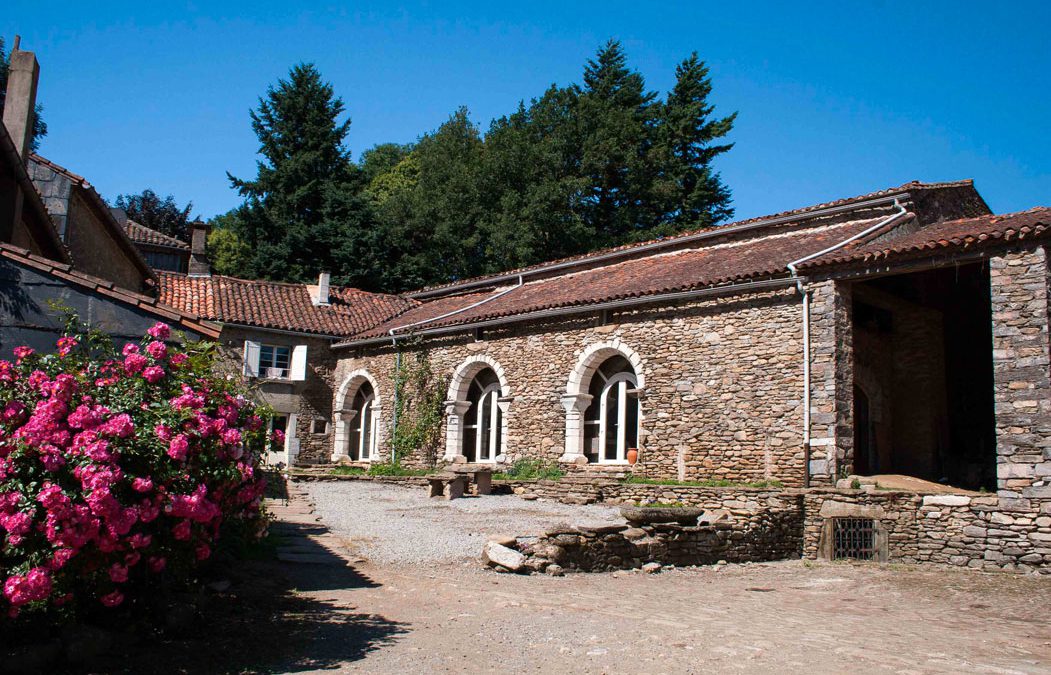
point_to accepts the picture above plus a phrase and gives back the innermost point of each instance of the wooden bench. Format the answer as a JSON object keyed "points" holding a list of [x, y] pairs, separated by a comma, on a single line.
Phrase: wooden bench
{"points": [[457, 485], [481, 476]]}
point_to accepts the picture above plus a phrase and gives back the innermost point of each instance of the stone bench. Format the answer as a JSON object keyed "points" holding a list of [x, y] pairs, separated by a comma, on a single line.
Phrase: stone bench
{"points": [[457, 486], [482, 477]]}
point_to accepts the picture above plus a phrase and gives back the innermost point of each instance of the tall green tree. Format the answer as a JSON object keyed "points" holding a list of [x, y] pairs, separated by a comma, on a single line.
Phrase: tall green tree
{"points": [[163, 215], [688, 192], [39, 125], [302, 213]]}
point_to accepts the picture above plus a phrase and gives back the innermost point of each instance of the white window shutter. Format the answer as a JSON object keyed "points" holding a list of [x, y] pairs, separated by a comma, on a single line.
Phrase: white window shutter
{"points": [[251, 359], [299, 363], [292, 439]]}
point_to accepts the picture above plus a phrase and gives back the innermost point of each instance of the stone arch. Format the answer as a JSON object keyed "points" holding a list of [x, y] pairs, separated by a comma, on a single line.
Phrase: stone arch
{"points": [[457, 405], [344, 396], [576, 399]]}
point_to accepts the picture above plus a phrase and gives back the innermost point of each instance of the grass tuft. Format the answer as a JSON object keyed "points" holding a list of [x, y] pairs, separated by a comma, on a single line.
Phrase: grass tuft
{"points": [[531, 469]]}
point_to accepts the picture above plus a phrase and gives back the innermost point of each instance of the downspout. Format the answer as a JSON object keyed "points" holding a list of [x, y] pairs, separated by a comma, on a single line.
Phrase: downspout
{"points": [[397, 357], [805, 292]]}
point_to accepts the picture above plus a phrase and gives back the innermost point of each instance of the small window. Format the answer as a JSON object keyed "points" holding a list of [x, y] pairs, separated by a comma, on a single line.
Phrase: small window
{"points": [[853, 539], [319, 426], [274, 361]]}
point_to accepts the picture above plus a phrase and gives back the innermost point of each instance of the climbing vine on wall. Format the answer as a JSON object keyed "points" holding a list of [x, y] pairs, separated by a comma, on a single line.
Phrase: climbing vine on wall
{"points": [[419, 395]]}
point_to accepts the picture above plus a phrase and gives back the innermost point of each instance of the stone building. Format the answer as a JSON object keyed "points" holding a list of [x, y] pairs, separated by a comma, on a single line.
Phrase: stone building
{"points": [[279, 337], [160, 251], [73, 258]]}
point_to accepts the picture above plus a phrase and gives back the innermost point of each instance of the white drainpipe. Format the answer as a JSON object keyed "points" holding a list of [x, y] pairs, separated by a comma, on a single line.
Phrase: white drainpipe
{"points": [[792, 268]]}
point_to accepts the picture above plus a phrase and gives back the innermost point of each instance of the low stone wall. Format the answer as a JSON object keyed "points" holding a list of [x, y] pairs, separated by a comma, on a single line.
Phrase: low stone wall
{"points": [[959, 529], [766, 534]]}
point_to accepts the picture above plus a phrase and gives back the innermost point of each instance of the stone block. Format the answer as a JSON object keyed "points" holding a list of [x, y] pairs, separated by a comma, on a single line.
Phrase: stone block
{"points": [[946, 500], [497, 555]]}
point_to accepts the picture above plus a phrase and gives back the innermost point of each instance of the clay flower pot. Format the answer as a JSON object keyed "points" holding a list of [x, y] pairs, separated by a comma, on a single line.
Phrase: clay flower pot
{"points": [[633, 455]]}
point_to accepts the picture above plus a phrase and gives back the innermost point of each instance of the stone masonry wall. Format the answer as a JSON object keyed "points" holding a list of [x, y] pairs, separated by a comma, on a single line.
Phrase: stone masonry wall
{"points": [[309, 400], [1022, 379], [953, 529], [832, 381], [722, 393]]}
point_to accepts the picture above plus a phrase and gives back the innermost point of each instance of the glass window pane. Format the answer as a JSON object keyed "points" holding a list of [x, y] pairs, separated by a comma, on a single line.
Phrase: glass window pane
{"points": [[484, 426], [366, 430], [631, 424], [612, 411]]}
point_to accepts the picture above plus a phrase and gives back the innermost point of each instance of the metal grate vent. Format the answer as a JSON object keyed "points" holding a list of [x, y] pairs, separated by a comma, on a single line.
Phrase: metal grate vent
{"points": [[853, 539]]}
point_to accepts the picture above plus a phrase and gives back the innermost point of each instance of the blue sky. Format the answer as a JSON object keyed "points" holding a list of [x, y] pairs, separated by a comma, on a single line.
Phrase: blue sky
{"points": [[836, 100]]}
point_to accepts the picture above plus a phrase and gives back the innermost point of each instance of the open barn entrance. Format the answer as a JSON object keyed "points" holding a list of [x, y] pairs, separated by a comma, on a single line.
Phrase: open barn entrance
{"points": [[923, 377]]}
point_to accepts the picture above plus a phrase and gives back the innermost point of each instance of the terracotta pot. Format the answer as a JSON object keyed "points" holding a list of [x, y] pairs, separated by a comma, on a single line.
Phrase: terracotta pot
{"points": [[633, 455]]}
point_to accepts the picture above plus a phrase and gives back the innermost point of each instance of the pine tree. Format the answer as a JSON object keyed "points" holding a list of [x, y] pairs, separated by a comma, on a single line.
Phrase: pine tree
{"points": [[301, 212], [689, 193]]}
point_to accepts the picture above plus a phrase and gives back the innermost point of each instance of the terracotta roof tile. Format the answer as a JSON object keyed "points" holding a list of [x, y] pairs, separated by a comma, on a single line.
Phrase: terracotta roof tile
{"points": [[958, 235], [281, 306], [705, 266], [140, 234], [670, 241], [187, 320]]}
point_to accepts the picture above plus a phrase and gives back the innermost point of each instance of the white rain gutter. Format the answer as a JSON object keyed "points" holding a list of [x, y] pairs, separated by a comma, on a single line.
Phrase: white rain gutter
{"points": [[392, 331], [801, 287]]}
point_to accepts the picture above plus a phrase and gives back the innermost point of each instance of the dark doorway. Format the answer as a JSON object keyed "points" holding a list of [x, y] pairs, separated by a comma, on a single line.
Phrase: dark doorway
{"points": [[923, 387]]}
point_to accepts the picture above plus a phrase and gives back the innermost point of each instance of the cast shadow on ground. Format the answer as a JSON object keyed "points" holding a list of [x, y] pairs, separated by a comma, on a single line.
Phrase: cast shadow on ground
{"points": [[272, 620]]}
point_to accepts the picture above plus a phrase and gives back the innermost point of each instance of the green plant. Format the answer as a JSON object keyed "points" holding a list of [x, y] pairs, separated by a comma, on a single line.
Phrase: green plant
{"points": [[663, 505], [640, 480], [392, 469], [348, 471], [531, 469], [418, 397], [855, 484]]}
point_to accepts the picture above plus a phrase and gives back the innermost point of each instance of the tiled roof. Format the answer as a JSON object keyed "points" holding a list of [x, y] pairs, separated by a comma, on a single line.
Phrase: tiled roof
{"points": [[176, 317], [41, 229], [670, 242], [951, 235], [684, 270], [140, 234], [270, 304]]}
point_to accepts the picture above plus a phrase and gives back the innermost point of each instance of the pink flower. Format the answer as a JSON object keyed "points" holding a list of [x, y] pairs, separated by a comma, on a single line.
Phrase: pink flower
{"points": [[129, 349], [163, 432], [65, 345], [181, 532], [61, 557], [34, 586], [18, 523], [160, 331], [158, 350], [178, 359], [232, 437], [178, 447], [153, 374], [157, 563], [134, 363], [112, 599], [120, 426], [22, 353], [202, 551], [14, 411], [118, 573], [279, 436], [142, 484]]}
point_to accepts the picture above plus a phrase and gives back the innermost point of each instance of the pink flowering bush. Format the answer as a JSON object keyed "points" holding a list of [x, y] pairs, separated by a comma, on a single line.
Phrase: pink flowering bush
{"points": [[117, 469]]}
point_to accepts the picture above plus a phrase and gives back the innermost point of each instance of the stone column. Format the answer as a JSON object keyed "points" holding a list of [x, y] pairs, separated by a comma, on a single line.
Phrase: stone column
{"points": [[1018, 285], [454, 410], [831, 381], [575, 405], [341, 422]]}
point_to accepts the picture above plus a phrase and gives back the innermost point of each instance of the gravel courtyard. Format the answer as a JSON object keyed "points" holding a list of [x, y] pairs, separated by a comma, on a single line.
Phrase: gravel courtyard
{"points": [[398, 525], [417, 600]]}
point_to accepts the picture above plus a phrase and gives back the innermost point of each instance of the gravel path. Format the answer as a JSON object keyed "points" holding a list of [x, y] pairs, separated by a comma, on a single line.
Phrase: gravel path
{"points": [[392, 524]]}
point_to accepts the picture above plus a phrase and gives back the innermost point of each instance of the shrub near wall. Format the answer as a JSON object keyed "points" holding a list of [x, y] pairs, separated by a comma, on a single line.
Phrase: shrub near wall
{"points": [[118, 471]]}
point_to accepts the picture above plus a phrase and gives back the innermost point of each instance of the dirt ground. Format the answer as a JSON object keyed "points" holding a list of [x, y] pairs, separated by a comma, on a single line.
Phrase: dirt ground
{"points": [[313, 612]]}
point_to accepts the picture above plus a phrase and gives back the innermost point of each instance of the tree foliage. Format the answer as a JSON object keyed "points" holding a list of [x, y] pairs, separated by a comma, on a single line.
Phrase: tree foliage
{"points": [[163, 215], [600, 163], [39, 125]]}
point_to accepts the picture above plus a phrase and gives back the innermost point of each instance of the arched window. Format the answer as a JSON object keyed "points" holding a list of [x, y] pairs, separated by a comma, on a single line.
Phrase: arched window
{"points": [[483, 421], [361, 440], [611, 420]]}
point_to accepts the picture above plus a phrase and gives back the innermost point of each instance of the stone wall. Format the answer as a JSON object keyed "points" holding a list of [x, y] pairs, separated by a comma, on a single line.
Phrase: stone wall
{"points": [[309, 400], [832, 381], [1022, 378], [722, 393], [966, 530]]}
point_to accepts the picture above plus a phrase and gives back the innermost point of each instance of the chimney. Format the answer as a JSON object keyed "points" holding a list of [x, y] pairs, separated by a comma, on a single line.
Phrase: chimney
{"points": [[321, 298], [199, 266], [20, 100]]}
